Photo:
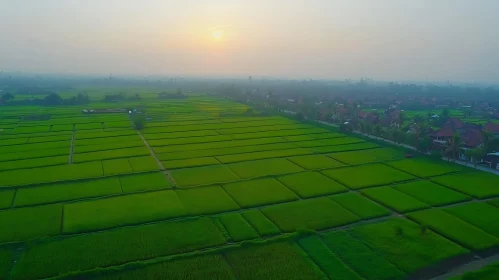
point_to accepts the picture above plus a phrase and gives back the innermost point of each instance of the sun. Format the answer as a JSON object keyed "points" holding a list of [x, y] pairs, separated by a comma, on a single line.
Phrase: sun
{"points": [[217, 34]]}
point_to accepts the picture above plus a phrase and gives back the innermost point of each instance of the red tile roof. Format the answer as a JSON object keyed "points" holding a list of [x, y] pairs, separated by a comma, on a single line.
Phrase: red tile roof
{"points": [[472, 138], [443, 132], [362, 114], [456, 122], [491, 128]]}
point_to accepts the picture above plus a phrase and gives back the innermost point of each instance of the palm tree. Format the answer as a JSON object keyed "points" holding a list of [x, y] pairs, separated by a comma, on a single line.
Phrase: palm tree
{"points": [[454, 146]]}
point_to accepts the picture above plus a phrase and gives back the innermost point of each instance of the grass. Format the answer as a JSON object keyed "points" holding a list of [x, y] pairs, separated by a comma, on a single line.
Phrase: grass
{"points": [[311, 184], [315, 162], [431, 193], [480, 214], [192, 162], [31, 222], [260, 223], [361, 258], [408, 248], [368, 175], [488, 272], [206, 200], [360, 205], [143, 164], [326, 260], [263, 155], [107, 248], [116, 166], [455, 229], [66, 191], [122, 210], [239, 229], [6, 197], [205, 175], [372, 155], [476, 184], [266, 167], [144, 182], [394, 199], [259, 192], [200, 267], [425, 167], [273, 261], [315, 214]]}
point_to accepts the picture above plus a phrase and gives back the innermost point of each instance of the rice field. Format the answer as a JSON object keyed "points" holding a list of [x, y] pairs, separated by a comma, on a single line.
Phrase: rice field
{"points": [[207, 191]]}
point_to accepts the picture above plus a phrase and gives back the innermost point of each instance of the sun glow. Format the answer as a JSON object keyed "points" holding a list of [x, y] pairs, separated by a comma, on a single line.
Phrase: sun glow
{"points": [[217, 34]]}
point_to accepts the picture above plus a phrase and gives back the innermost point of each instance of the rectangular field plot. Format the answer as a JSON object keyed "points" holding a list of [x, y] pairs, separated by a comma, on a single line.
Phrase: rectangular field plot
{"points": [[111, 154], [189, 140], [272, 261], [192, 162], [206, 200], [6, 260], [6, 197], [278, 133], [411, 250], [122, 210], [368, 175], [111, 146], [259, 192], [296, 138], [480, 214], [108, 248], [360, 205], [316, 214], [260, 223], [424, 167], [34, 154], [203, 175], [31, 222], [108, 141], [372, 155], [35, 147], [224, 151], [311, 184], [346, 147], [66, 191], [239, 229], [218, 145], [431, 193], [455, 229], [315, 162], [494, 202], [327, 135], [394, 199], [326, 260], [116, 166], [143, 164], [33, 140], [475, 184], [51, 174], [240, 130], [171, 135], [143, 182], [361, 258], [258, 168], [328, 142], [263, 155], [32, 163]]}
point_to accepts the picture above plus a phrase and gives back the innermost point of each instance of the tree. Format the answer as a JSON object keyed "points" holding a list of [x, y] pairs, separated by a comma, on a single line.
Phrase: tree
{"points": [[475, 155], [423, 144], [139, 121], [7, 96], [299, 116], [378, 130], [454, 146], [52, 99]]}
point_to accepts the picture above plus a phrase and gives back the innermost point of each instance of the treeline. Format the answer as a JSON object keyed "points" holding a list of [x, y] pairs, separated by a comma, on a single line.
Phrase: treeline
{"points": [[52, 99]]}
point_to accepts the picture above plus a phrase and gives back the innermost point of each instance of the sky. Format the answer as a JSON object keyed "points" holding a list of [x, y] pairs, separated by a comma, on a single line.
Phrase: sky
{"points": [[391, 40]]}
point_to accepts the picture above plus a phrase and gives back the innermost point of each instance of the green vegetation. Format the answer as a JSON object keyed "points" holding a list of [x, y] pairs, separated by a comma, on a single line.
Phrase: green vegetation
{"points": [[206, 200], [6, 197], [122, 210], [31, 222], [455, 229], [315, 162], [258, 221], [328, 142], [239, 229], [259, 192], [360, 257], [494, 202], [111, 154], [66, 191], [475, 184], [264, 167], [115, 247], [326, 260], [5, 262], [432, 194], [116, 166], [274, 261], [144, 182], [425, 167], [346, 147], [315, 214], [368, 175], [311, 184], [203, 175], [480, 214], [263, 155], [32, 163], [394, 199], [372, 155], [360, 206], [488, 272], [143, 164], [192, 162]]}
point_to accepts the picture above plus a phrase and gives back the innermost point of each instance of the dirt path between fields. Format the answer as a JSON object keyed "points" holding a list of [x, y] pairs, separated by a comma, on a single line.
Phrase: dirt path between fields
{"points": [[166, 172], [71, 148], [476, 264]]}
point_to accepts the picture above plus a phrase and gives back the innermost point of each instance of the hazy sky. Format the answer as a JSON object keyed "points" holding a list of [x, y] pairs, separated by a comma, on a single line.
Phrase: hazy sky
{"points": [[425, 40]]}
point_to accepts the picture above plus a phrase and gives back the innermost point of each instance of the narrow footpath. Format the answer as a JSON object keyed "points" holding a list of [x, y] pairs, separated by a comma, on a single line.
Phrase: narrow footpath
{"points": [[161, 167]]}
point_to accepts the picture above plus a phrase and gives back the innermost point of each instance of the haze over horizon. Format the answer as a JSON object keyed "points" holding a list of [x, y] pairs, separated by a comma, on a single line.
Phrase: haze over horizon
{"points": [[325, 39]]}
